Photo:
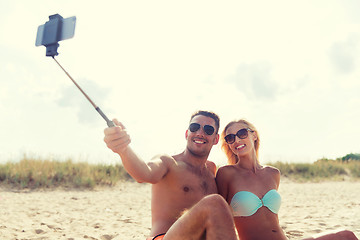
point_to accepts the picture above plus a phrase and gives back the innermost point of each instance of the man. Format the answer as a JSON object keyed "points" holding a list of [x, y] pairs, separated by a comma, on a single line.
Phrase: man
{"points": [[185, 181]]}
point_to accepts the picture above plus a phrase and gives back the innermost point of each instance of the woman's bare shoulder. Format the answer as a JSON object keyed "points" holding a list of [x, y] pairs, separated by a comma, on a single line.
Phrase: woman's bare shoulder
{"points": [[272, 170], [226, 170], [274, 174]]}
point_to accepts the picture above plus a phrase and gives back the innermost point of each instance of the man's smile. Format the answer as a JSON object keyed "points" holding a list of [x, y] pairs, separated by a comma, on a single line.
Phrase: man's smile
{"points": [[199, 140]]}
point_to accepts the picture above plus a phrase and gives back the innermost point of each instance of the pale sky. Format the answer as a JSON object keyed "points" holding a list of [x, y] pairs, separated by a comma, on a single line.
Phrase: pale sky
{"points": [[292, 68]]}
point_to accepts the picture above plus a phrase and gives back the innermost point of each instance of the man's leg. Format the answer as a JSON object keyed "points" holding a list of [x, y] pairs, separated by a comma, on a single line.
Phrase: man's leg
{"points": [[209, 219]]}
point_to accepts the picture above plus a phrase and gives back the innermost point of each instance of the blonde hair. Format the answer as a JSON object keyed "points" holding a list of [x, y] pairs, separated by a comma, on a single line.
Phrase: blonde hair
{"points": [[233, 158]]}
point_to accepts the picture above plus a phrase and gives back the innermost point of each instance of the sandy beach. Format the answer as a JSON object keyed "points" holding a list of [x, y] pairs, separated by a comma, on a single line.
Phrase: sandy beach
{"points": [[123, 212]]}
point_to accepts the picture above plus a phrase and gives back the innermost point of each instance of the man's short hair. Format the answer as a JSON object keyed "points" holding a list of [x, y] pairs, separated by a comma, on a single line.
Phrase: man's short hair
{"points": [[208, 114]]}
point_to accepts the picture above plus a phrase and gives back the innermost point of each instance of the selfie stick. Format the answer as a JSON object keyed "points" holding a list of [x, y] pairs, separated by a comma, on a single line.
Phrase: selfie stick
{"points": [[109, 123], [53, 31]]}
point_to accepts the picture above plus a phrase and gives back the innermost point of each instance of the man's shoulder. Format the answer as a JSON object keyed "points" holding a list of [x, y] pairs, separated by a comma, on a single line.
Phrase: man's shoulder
{"points": [[164, 161], [211, 166], [172, 163], [164, 158]]}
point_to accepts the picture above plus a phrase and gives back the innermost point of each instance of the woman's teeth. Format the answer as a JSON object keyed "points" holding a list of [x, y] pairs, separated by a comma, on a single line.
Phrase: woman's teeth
{"points": [[240, 146]]}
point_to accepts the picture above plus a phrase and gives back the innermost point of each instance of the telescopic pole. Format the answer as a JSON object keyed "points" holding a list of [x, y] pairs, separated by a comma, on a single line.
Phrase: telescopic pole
{"points": [[108, 122]]}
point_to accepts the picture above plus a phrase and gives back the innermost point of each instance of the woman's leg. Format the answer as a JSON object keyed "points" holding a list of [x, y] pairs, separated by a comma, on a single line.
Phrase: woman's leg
{"points": [[341, 235]]}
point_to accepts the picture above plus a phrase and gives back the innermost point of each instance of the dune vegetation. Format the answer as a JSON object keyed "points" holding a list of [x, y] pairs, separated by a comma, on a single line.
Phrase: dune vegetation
{"points": [[33, 173], [340, 169], [39, 173]]}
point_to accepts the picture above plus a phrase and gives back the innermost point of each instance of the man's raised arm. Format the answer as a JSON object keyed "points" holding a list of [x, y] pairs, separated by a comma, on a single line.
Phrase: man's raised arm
{"points": [[118, 140]]}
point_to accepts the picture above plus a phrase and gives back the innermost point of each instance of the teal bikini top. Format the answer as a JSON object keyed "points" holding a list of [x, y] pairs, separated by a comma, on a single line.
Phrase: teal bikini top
{"points": [[246, 203]]}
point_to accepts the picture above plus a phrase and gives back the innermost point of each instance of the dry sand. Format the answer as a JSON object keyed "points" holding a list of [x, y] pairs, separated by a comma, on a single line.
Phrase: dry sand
{"points": [[123, 212]]}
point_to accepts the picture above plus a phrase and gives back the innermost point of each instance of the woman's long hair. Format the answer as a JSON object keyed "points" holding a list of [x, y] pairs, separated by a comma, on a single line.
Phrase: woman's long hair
{"points": [[233, 158]]}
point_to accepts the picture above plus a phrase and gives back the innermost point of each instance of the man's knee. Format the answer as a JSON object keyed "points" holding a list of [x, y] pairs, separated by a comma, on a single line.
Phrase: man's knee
{"points": [[214, 200], [215, 205], [218, 215]]}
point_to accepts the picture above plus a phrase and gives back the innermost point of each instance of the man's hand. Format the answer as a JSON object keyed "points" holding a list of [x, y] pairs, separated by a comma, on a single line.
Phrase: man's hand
{"points": [[116, 138]]}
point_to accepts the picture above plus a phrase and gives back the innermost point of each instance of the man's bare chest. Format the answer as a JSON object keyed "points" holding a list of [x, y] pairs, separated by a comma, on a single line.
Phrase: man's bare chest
{"points": [[190, 183]]}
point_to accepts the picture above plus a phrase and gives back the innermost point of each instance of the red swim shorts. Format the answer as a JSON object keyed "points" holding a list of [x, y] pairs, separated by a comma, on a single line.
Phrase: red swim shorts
{"points": [[157, 237]]}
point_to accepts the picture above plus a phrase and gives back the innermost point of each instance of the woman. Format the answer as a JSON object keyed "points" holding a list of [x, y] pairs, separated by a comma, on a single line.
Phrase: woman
{"points": [[251, 189]]}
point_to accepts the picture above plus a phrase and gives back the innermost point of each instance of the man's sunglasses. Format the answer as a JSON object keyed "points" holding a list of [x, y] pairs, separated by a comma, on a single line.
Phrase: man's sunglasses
{"points": [[242, 134], [209, 130]]}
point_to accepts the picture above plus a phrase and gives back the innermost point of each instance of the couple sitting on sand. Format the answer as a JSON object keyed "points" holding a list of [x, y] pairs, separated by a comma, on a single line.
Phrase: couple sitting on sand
{"points": [[191, 200]]}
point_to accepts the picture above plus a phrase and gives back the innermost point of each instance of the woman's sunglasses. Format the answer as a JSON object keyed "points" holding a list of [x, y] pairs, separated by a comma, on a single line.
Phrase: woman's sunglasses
{"points": [[209, 130], [242, 134]]}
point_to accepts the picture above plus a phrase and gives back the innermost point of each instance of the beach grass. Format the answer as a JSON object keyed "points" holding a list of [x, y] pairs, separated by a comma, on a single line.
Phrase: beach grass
{"points": [[321, 170], [35, 173], [38, 173]]}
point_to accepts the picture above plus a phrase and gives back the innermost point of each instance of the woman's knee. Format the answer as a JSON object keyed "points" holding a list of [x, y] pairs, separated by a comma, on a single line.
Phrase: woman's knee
{"points": [[346, 234]]}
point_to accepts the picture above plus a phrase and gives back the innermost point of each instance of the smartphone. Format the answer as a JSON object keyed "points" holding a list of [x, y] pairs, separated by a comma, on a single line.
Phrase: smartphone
{"points": [[53, 31]]}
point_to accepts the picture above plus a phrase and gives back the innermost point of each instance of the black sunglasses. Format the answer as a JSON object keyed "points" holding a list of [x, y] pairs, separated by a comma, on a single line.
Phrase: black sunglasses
{"points": [[242, 134], [209, 130]]}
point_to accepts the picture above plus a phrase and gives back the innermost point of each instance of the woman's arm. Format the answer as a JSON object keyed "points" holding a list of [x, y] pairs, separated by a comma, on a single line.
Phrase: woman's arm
{"points": [[222, 182]]}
